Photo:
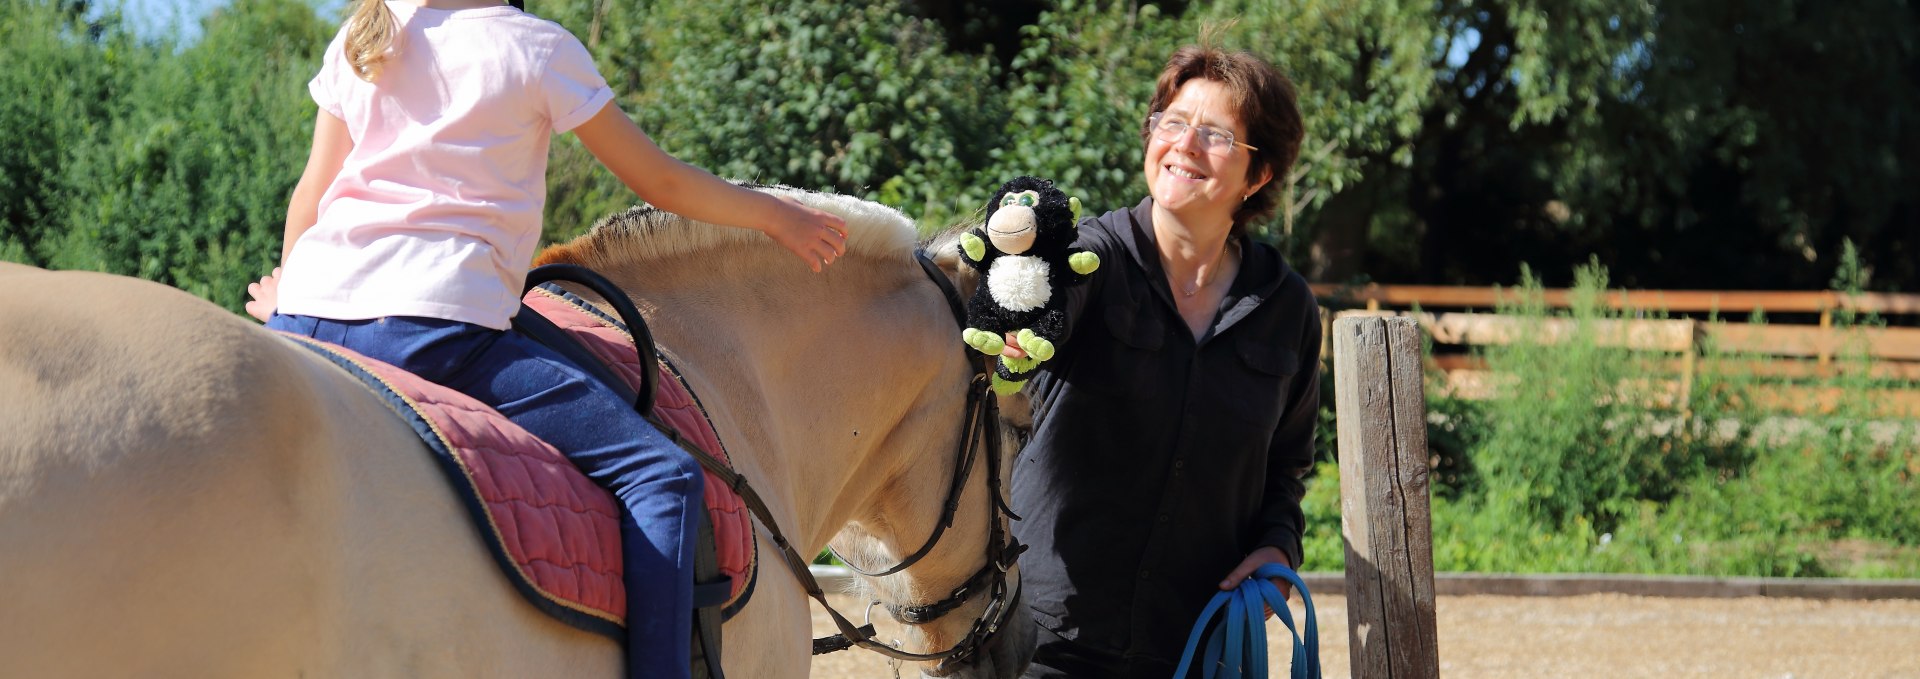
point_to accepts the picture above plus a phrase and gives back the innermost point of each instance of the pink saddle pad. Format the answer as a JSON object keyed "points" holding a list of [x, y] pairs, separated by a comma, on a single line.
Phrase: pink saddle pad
{"points": [[554, 532]]}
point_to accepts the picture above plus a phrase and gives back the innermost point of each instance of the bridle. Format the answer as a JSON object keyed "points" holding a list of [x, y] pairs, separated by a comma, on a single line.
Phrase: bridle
{"points": [[981, 430]]}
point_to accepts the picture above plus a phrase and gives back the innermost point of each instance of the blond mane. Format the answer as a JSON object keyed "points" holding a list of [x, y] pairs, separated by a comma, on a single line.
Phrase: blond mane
{"points": [[645, 233]]}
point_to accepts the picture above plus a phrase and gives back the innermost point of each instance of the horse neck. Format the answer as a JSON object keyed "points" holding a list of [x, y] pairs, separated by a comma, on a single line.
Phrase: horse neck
{"points": [[835, 392]]}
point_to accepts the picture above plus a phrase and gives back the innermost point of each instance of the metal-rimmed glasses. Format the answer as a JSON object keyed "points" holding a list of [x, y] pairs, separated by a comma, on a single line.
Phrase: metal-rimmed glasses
{"points": [[1169, 128]]}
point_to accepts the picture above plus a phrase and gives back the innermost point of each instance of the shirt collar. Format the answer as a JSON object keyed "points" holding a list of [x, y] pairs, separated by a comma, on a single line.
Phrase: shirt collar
{"points": [[1261, 269]]}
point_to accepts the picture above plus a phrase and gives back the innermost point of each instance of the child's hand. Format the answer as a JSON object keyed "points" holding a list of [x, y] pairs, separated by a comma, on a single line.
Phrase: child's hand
{"points": [[816, 237], [266, 296]]}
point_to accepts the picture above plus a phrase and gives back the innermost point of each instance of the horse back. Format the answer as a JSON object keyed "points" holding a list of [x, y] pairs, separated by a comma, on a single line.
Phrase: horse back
{"points": [[184, 494]]}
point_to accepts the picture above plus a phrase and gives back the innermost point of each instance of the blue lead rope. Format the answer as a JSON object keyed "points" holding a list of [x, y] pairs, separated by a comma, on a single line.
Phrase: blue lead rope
{"points": [[1237, 643]]}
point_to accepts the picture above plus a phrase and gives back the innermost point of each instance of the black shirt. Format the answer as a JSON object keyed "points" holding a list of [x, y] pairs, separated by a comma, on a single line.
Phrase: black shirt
{"points": [[1158, 462]]}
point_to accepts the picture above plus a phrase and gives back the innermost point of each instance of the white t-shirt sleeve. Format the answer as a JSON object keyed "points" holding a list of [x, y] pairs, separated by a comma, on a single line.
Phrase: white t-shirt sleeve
{"points": [[325, 86], [572, 86]]}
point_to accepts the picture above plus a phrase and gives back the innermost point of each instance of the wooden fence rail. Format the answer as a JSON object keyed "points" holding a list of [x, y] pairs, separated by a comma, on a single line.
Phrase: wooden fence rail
{"points": [[1781, 352], [1373, 296]]}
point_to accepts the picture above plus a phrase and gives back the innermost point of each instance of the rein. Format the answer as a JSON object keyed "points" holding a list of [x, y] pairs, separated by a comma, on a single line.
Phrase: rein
{"points": [[981, 429]]}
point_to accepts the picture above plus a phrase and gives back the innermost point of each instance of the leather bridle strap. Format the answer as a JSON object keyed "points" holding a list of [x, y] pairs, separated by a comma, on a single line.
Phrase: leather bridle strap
{"points": [[981, 429], [947, 290], [850, 634], [964, 464]]}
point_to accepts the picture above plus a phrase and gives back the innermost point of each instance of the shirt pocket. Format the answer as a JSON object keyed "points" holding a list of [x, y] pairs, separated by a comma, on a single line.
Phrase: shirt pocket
{"points": [[1130, 312], [1129, 364], [1136, 327], [1266, 371]]}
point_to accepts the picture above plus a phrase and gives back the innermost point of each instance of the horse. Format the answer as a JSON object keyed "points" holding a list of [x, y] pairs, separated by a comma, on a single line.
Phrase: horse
{"points": [[183, 493]]}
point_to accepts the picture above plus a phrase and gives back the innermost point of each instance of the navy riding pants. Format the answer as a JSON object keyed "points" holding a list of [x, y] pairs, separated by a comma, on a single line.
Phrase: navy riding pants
{"points": [[659, 484]]}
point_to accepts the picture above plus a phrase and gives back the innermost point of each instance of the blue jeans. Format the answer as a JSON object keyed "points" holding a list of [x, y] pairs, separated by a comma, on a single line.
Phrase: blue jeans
{"points": [[659, 484]]}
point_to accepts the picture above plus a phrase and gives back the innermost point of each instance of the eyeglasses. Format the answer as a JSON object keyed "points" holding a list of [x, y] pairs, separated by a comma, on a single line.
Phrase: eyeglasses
{"points": [[1169, 128]]}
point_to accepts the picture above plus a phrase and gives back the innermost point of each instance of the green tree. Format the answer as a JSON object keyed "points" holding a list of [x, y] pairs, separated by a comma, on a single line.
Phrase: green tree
{"points": [[856, 98], [1743, 139], [151, 159], [59, 82], [1077, 95]]}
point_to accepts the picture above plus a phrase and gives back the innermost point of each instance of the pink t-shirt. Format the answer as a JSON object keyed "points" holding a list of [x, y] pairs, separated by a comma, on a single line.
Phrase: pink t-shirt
{"points": [[436, 212]]}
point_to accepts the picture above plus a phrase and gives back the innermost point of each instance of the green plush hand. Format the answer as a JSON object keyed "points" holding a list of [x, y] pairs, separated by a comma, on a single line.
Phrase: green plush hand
{"points": [[1083, 263], [1036, 346], [973, 246], [1074, 202], [1003, 387], [1019, 365], [988, 343]]}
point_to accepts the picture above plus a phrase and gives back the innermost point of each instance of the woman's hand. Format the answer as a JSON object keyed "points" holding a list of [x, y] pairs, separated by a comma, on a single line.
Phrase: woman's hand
{"points": [[815, 236], [266, 296], [1013, 349], [1259, 557]]}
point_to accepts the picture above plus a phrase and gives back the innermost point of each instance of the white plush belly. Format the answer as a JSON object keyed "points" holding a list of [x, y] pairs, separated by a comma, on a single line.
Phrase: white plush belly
{"points": [[1019, 282]]}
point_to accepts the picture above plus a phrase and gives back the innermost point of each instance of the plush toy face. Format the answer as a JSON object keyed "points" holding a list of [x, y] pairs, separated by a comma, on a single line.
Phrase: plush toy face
{"points": [[1013, 227], [1030, 214]]}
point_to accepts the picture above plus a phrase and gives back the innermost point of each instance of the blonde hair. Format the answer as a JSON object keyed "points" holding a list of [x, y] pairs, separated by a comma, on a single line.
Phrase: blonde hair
{"points": [[371, 31]]}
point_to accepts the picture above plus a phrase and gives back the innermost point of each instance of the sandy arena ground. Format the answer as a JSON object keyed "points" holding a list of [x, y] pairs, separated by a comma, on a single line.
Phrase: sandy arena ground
{"points": [[1602, 635]]}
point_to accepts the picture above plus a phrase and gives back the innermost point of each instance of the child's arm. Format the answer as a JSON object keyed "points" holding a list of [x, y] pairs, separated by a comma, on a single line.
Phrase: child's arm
{"points": [[331, 144], [669, 184]]}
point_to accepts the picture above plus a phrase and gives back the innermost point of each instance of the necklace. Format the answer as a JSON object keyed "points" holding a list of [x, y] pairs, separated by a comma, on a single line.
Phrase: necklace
{"points": [[1213, 272]]}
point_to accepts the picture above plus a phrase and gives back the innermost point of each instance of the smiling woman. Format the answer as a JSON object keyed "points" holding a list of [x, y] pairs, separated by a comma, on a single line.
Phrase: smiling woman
{"points": [[1167, 453]]}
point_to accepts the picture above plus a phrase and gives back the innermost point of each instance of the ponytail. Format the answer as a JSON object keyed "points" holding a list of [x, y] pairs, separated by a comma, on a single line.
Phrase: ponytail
{"points": [[370, 34]]}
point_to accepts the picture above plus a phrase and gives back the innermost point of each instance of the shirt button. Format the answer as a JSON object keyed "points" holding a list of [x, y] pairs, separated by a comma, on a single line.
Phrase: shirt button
{"points": [[1163, 518], [1143, 574], [1179, 464]]}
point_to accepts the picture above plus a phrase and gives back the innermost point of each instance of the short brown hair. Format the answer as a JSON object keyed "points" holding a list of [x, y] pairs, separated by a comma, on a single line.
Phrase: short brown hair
{"points": [[1266, 103]]}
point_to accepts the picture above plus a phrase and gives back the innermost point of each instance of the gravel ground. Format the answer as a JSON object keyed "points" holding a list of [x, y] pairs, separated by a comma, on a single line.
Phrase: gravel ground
{"points": [[1604, 635]]}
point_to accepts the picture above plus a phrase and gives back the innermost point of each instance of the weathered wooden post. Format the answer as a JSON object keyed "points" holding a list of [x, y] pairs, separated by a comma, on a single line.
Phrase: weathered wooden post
{"points": [[1384, 508]]}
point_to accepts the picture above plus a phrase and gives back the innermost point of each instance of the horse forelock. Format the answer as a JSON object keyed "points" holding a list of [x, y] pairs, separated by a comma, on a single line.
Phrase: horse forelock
{"points": [[645, 233]]}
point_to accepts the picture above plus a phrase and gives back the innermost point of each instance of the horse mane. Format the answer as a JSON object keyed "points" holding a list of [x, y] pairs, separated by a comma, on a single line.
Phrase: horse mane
{"points": [[644, 233]]}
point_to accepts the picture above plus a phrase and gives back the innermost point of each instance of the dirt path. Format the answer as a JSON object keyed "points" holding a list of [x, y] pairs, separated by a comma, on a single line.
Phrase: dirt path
{"points": [[1607, 635]]}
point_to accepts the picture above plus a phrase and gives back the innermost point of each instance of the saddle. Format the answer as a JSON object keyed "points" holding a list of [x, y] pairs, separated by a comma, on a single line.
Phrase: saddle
{"points": [[551, 529]]}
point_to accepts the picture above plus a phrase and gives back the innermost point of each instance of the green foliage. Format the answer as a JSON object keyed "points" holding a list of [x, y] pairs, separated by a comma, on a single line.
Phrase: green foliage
{"points": [[1569, 439], [1736, 135], [1076, 99], [857, 98], [49, 55], [169, 163]]}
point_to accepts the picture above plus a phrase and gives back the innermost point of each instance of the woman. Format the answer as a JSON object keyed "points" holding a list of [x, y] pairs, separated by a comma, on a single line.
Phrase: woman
{"points": [[1173, 428]]}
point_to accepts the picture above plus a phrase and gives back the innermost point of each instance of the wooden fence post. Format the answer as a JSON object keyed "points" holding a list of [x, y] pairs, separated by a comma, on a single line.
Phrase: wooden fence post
{"points": [[1384, 506]]}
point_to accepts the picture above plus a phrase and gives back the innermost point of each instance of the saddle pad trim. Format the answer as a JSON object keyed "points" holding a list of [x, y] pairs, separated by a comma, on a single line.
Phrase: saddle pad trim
{"points": [[462, 477], [750, 576]]}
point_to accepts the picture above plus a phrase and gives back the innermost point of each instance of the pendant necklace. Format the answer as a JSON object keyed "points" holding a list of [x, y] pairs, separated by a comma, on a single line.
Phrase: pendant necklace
{"points": [[1192, 289]]}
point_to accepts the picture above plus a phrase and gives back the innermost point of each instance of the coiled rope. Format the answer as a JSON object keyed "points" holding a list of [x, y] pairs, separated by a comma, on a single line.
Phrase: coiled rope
{"points": [[1236, 644]]}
